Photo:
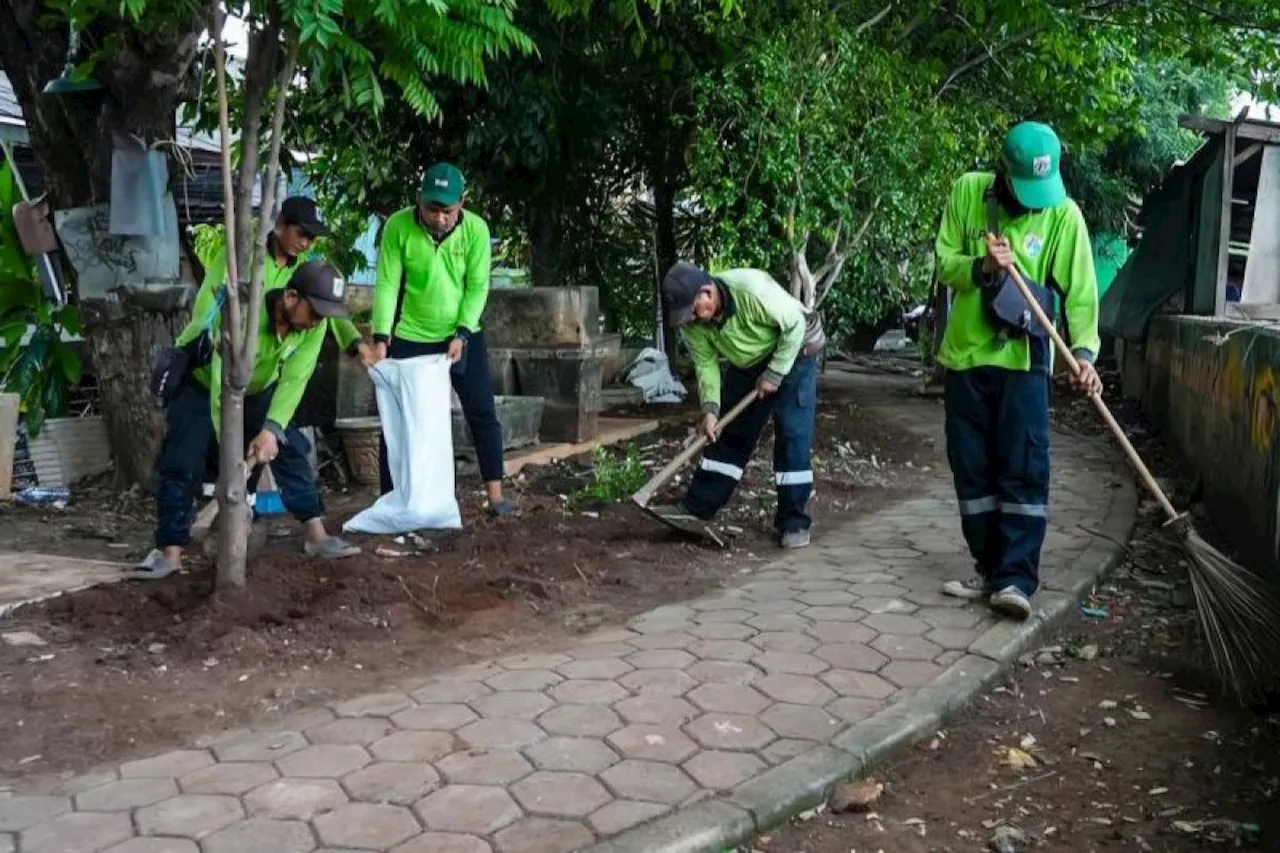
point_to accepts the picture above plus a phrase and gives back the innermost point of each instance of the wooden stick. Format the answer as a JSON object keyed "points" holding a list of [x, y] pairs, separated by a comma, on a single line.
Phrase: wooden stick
{"points": [[664, 476], [1117, 431]]}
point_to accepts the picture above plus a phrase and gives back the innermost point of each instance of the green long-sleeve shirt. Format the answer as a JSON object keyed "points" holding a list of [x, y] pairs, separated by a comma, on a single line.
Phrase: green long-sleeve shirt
{"points": [[1050, 245], [760, 320], [445, 285]]}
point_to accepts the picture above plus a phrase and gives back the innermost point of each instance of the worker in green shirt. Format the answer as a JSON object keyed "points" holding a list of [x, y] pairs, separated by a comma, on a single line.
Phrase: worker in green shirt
{"points": [[763, 335], [432, 284], [290, 334], [997, 382]]}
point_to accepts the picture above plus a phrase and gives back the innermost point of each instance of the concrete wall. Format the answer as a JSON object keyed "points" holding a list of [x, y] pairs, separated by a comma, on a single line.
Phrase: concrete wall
{"points": [[1213, 388]]}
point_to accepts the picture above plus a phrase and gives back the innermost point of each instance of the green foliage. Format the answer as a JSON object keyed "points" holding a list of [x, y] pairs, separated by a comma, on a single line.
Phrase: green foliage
{"points": [[44, 369], [612, 479]]}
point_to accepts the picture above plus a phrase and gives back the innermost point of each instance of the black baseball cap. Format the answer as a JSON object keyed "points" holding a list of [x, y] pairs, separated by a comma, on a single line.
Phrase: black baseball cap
{"points": [[679, 290], [322, 286], [302, 211]]}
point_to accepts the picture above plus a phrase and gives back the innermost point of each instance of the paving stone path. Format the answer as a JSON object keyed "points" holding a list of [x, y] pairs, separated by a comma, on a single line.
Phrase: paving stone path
{"points": [[686, 729]]}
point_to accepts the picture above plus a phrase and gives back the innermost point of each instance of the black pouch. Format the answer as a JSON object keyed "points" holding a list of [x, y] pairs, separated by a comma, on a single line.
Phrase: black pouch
{"points": [[174, 364], [1003, 301]]}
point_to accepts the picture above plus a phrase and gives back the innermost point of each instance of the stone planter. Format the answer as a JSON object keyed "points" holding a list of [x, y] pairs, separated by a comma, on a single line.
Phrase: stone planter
{"points": [[521, 419]]}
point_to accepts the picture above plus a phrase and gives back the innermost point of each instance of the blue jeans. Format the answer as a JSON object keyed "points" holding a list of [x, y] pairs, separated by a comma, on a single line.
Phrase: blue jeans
{"points": [[793, 409], [997, 427], [188, 440], [471, 379]]}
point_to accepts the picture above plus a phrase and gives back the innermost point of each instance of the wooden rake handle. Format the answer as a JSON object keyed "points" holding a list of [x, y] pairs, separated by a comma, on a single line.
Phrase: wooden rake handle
{"points": [[1117, 431], [664, 476]]}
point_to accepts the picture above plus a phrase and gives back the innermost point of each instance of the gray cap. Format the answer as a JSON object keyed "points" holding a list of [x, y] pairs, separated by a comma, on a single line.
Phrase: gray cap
{"points": [[680, 288], [322, 286]]}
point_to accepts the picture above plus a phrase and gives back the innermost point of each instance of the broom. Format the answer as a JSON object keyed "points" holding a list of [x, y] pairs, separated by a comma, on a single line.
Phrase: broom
{"points": [[1237, 611]]}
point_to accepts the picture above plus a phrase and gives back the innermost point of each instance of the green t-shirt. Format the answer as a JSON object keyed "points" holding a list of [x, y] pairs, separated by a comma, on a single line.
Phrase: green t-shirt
{"points": [[445, 286], [1049, 245]]}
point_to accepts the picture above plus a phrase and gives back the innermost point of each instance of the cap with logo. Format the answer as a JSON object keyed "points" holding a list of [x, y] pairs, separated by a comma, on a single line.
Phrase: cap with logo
{"points": [[680, 288], [303, 212], [322, 286], [443, 184], [1033, 158]]}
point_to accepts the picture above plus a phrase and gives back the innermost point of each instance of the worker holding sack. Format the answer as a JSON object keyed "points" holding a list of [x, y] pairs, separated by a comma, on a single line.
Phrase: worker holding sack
{"points": [[294, 321], [769, 344], [997, 355], [431, 288]]}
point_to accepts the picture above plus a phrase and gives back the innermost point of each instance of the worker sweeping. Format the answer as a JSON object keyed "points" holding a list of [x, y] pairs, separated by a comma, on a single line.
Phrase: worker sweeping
{"points": [[769, 344], [998, 356]]}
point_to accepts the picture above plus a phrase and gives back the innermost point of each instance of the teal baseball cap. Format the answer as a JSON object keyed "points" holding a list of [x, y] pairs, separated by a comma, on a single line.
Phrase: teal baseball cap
{"points": [[1033, 161], [443, 184]]}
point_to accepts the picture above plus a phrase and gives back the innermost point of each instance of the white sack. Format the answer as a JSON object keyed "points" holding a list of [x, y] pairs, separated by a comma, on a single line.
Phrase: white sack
{"points": [[413, 405], [651, 373]]}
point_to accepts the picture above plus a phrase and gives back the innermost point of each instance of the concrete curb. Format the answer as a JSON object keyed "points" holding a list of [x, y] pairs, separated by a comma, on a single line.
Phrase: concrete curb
{"points": [[808, 779]]}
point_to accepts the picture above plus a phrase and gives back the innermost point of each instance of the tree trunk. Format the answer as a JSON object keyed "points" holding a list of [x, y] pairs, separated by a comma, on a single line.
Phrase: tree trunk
{"points": [[234, 515], [666, 245], [543, 263], [72, 138]]}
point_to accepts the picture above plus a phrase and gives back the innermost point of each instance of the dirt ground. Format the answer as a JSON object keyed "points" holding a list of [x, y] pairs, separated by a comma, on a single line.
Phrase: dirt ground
{"points": [[1109, 738], [136, 667]]}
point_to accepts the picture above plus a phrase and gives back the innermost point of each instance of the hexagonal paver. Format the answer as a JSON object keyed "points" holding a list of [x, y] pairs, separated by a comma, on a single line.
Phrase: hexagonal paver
{"points": [[784, 641], [791, 663], [554, 794], [655, 709], [544, 835], [366, 825], [666, 682], [723, 631], [259, 746], [171, 765], [801, 721], [572, 754], [841, 632], [392, 782], [358, 730], [887, 605], [782, 751], [85, 832], [524, 679], [512, 705], [719, 771], [324, 762], [723, 650], [861, 685], [152, 845], [729, 731], [439, 718], [853, 710], [125, 795], [954, 638], [797, 689], [373, 705], [580, 721], [785, 622], [450, 692], [664, 640], [654, 743], [623, 814], [501, 734], [911, 673], [731, 615], [895, 623], [189, 815], [595, 668], [834, 614], [852, 656], [595, 651], [730, 698], [950, 617], [232, 778], [827, 598], [580, 692], [660, 659], [649, 780], [731, 672], [442, 842], [902, 647], [484, 767], [294, 799], [534, 660], [278, 836], [480, 810], [19, 812], [878, 590]]}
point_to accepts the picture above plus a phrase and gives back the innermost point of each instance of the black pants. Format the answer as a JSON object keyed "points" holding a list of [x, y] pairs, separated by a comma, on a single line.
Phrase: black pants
{"points": [[188, 438], [471, 379], [793, 409], [997, 426]]}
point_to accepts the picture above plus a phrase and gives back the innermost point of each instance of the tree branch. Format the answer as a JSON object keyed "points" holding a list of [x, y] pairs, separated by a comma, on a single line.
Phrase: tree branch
{"points": [[231, 329], [829, 280], [875, 19], [987, 55]]}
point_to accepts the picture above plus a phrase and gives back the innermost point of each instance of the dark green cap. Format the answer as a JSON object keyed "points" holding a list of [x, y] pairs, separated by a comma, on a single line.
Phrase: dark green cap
{"points": [[443, 184], [1033, 158]]}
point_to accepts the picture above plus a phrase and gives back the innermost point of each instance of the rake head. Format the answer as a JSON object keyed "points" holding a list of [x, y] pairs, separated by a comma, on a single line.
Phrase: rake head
{"points": [[1240, 616]]}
